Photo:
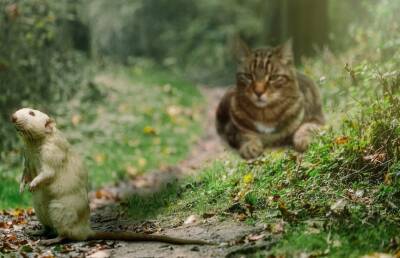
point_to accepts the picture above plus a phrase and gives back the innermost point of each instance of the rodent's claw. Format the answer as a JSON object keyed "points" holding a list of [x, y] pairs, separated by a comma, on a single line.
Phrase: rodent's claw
{"points": [[32, 187]]}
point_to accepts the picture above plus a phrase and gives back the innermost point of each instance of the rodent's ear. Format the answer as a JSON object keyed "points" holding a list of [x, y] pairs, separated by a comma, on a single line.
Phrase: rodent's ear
{"points": [[240, 49], [50, 125], [285, 52]]}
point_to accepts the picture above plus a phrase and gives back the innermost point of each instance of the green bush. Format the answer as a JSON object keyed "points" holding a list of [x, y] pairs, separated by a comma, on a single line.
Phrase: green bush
{"points": [[38, 66]]}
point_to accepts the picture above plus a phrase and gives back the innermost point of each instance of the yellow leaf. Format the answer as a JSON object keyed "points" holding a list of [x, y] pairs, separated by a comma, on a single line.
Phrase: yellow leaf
{"points": [[131, 170], [76, 119], [99, 158], [142, 162], [149, 130], [174, 111], [248, 178]]}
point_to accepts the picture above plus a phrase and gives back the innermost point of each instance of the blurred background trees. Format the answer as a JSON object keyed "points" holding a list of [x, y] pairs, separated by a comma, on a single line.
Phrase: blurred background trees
{"points": [[46, 46]]}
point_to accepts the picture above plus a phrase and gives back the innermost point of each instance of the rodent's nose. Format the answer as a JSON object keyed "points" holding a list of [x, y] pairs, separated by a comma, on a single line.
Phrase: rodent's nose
{"points": [[13, 118]]}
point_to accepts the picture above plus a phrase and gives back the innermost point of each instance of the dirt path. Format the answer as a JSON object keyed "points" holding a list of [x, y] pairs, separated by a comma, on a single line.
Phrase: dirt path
{"points": [[206, 149], [235, 235]]}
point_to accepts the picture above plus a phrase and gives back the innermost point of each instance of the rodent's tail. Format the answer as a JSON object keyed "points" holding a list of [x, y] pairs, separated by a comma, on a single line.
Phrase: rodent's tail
{"points": [[133, 237]]}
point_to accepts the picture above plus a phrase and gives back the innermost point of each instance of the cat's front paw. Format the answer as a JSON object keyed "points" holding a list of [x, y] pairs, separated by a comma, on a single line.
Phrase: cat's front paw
{"points": [[300, 144], [251, 149]]}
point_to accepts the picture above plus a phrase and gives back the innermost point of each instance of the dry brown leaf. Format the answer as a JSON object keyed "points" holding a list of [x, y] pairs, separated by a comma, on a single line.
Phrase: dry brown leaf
{"points": [[241, 216], [255, 237], [100, 254], [377, 158], [76, 119], [103, 194], [342, 140]]}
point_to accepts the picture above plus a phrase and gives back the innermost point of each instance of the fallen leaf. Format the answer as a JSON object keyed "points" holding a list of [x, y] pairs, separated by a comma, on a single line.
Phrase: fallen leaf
{"points": [[103, 194], [241, 216], [99, 158], [100, 254], [76, 119], [255, 237], [174, 110], [142, 162], [149, 130], [131, 170], [342, 140], [248, 178], [47, 254], [377, 158]]}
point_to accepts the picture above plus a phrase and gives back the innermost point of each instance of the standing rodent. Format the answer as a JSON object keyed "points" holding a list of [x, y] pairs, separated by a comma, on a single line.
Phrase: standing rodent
{"points": [[58, 181], [271, 105]]}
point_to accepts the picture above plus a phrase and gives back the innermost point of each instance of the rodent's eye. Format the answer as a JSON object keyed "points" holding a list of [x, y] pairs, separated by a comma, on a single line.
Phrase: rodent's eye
{"points": [[31, 113]]}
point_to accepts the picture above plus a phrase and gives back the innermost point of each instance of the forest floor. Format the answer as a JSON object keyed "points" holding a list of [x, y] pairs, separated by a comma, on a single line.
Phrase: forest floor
{"points": [[172, 175], [109, 209]]}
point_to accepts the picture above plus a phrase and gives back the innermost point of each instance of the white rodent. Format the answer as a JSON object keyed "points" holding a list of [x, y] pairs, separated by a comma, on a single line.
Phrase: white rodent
{"points": [[58, 181]]}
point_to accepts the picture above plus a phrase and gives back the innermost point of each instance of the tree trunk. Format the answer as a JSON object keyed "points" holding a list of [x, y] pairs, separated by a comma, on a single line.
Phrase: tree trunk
{"points": [[307, 22]]}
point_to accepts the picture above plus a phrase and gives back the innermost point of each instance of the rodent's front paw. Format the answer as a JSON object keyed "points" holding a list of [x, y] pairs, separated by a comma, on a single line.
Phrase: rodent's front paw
{"points": [[251, 149], [32, 186]]}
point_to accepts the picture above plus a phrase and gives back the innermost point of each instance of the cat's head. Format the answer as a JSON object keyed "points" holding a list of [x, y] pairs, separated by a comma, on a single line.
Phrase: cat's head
{"points": [[266, 76]]}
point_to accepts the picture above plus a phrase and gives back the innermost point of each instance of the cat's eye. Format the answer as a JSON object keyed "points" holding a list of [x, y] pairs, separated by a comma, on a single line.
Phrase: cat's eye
{"points": [[244, 78], [277, 79]]}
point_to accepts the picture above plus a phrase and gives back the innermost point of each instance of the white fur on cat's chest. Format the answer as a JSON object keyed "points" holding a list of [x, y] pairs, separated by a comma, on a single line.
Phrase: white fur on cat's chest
{"points": [[263, 128]]}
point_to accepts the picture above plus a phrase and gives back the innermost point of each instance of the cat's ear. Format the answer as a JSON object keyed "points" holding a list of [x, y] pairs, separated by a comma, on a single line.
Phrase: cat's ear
{"points": [[240, 49], [285, 52]]}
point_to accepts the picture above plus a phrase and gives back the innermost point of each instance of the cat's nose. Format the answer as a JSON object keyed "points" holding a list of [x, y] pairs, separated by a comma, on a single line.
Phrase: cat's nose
{"points": [[258, 93], [13, 118]]}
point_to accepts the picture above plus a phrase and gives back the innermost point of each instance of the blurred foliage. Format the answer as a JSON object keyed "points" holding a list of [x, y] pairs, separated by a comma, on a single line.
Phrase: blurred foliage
{"points": [[195, 36], [38, 65]]}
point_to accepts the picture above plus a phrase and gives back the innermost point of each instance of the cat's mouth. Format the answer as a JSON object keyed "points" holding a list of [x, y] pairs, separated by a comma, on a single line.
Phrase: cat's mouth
{"points": [[260, 103]]}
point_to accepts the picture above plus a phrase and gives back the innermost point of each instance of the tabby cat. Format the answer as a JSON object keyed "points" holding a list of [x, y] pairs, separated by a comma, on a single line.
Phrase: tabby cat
{"points": [[271, 105]]}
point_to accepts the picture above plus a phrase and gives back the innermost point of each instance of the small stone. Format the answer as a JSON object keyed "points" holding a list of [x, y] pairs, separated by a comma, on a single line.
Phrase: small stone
{"points": [[195, 249], [191, 220]]}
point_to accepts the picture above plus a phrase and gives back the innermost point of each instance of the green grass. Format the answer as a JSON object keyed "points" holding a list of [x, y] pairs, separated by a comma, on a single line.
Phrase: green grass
{"points": [[353, 161], [129, 122]]}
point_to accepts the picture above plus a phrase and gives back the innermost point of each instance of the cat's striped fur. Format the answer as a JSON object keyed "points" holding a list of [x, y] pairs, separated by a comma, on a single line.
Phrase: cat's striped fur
{"points": [[271, 105]]}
